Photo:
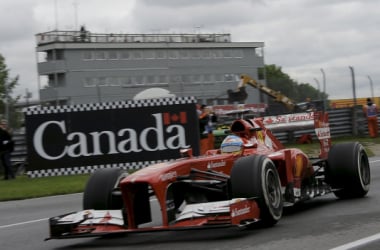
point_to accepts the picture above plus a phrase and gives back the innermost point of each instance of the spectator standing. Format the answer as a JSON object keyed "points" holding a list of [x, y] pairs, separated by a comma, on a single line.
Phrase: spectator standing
{"points": [[6, 148], [203, 123], [207, 119], [83, 33], [370, 110]]}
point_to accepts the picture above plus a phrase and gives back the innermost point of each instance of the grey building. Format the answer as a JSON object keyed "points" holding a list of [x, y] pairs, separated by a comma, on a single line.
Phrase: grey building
{"points": [[81, 67]]}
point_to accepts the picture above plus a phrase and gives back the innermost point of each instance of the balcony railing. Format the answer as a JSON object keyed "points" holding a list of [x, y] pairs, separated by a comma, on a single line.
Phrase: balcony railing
{"points": [[88, 37], [49, 67]]}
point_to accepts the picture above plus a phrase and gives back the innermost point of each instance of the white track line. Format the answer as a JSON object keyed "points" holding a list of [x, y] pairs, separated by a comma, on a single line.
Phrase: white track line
{"points": [[357, 243], [23, 223]]}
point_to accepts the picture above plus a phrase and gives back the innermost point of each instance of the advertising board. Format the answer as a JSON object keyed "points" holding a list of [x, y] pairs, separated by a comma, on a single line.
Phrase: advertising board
{"points": [[132, 134]]}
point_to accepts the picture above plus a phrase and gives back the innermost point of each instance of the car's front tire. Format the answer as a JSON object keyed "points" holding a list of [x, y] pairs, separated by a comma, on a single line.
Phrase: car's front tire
{"points": [[100, 189], [256, 176]]}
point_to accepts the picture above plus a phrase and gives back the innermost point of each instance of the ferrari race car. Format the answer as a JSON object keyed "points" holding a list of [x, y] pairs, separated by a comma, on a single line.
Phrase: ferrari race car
{"points": [[246, 182]]}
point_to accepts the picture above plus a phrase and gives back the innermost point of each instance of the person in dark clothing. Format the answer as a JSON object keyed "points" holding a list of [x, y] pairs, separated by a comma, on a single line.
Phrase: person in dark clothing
{"points": [[203, 117], [83, 33], [6, 148], [206, 119]]}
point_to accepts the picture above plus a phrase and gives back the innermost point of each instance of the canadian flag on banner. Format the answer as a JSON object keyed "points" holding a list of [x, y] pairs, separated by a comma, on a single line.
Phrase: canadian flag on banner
{"points": [[175, 118]]}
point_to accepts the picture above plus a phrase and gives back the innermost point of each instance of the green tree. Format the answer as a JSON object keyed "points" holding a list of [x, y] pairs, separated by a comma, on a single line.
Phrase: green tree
{"points": [[7, 103], [279, 81], [298, 92]]}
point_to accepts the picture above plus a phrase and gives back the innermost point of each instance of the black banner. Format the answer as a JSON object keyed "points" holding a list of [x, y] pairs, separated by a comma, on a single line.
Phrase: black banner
{"points": [[111, 133]]}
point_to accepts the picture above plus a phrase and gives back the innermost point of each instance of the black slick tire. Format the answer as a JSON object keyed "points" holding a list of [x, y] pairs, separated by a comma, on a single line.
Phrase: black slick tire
{"points": [[256, 177], [100, 189], [348, 170]]}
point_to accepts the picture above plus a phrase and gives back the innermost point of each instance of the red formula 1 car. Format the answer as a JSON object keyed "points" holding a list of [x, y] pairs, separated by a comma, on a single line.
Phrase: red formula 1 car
{"points": [[247, 181]]}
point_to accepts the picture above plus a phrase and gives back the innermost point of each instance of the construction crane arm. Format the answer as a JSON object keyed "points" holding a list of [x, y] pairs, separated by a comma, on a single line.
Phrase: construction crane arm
{"points": [[276, 95]]}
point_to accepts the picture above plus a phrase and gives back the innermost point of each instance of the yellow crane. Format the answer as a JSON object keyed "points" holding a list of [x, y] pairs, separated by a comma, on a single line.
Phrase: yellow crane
{"points": [[241, 94]]}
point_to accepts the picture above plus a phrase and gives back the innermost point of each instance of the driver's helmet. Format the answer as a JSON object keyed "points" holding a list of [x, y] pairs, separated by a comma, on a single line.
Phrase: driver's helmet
{"points": [[232, 144]]}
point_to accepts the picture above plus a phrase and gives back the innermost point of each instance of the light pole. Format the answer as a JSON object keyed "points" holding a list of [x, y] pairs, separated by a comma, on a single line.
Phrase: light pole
{"points": [[353, 83], [324, 89], [354, 124], [371, 84], [319, 88]]}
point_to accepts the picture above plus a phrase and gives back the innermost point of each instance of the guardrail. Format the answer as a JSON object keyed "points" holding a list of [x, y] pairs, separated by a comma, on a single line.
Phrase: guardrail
{"points": [[19, 154]]}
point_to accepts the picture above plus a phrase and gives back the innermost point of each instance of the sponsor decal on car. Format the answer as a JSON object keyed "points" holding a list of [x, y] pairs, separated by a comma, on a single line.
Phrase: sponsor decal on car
{"points": [[168, 176], [212, 165], [240, 211], [243, 210]]}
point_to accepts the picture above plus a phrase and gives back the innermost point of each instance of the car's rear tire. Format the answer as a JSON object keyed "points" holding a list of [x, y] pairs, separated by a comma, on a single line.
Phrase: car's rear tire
{"points": [[348, 170], [100, 189], [257, 176]]}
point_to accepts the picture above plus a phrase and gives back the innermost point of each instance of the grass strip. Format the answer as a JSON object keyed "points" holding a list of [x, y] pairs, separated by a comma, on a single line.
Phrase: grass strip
{"points": [[24, 187]]}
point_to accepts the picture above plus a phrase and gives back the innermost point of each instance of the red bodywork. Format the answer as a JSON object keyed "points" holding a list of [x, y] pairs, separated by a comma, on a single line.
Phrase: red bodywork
{"points": [[163, 179]]}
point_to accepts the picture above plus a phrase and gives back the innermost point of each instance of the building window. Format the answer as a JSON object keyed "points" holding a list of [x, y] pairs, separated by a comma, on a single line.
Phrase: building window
{"points": [[59, 54], [173, 54], [237, 53], [112, 81], [230, 77], [195, 54], [206, 54], [162, 79], [219, 78], [148, 54], [87, 55], [150, 80], [187, 78], [207, 78], [61, 80], [176, 79], [125, 55], [44, 81], [217, 53], [184, 54], [227, 53], [125, 81], [137, 54], [88, 82], [50, 55], [112, 55], [160, 54], [102, 81], [100, 55], [196, 78], [137, 80], [260, 73]]}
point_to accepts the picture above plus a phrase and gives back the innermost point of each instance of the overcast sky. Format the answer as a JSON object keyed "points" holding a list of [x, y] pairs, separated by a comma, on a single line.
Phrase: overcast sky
{"points": [[301, 36]]}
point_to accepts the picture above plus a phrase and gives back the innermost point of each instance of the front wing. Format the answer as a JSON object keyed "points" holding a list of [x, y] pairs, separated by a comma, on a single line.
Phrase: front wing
{"points": [[92, 223]]}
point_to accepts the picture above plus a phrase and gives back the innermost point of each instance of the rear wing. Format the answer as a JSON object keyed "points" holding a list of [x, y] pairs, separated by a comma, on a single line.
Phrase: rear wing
{"points": [[303, 121], [322, 130]]}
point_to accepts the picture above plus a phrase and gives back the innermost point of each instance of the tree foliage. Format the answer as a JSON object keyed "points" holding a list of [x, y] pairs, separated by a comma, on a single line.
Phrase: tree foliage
{"points": [[298, 92], [7, 102]]}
